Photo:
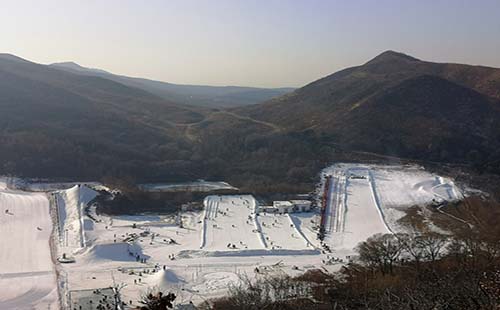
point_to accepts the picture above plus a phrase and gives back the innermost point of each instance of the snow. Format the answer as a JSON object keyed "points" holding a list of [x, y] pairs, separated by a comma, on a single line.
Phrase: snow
{"points": [[115, 252], [197, 261], [364, 200], [201, 186], [3, 183], [217, 281], [412, 186], [308, 224], [27, 277], [360, 218], [163, 278], [70, 207], [195, 274], [229, 220], [37, 186], [280, 232]]}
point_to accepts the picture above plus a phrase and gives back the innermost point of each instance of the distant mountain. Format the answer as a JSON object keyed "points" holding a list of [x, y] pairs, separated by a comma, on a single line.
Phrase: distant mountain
{"points": [[62, 122], [76, 68], [57, 123], [206, 96]]}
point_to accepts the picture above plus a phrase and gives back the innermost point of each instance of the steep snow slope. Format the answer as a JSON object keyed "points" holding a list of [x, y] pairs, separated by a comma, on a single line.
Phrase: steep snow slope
{"points": [[364, 200], [70, 206], [27, 277]]}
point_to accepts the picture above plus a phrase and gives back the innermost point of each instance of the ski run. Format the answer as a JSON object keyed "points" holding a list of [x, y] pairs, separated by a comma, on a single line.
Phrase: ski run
{"points": [[54, 246]]}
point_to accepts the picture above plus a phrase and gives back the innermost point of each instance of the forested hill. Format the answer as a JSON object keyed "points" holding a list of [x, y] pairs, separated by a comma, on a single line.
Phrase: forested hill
{"points": [[398, 105], [55, 123]]}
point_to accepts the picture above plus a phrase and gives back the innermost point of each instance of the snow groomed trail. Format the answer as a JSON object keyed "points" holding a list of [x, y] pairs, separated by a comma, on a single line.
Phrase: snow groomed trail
{"points": [[228, 224], [376, 200], [27, 274], [296, 226], [353, 212], [70, 205], [336, 202], [280, 232], [232, 227], [363, 200]]}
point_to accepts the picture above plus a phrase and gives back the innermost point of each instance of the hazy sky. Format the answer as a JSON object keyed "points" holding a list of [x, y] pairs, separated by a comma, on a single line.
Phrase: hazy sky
{"points": [[256, 43]]}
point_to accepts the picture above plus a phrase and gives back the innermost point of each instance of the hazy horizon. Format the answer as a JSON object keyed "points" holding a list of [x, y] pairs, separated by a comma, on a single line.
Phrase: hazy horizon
{"points": [[247, 43]]}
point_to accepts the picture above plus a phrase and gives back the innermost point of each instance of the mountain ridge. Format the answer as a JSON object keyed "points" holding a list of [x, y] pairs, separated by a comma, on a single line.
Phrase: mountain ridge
{"points": [[58, 123], [199, 95], [349, 109]]}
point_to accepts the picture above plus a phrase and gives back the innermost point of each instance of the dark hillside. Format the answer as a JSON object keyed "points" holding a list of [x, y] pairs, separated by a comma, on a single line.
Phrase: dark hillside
{"points": [[57, 124], [401, 106]]}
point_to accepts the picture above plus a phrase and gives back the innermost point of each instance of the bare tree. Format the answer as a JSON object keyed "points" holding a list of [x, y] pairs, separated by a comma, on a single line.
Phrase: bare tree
{"points": [[432, 245], [267, 292], [249, 295], [382, 251], [157, 300], [413, 247]]}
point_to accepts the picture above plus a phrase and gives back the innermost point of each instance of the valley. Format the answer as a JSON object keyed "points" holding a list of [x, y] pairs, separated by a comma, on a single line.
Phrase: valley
{"points": [[115, 185]]}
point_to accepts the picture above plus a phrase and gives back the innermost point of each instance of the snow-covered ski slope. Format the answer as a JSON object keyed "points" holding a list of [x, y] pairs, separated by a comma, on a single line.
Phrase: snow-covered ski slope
{"points": [[363, 200], [412, 186], [27, 275], [353, 214], [70, 206], [228, 221], [281, 232], [212, 248], [191, 273]]}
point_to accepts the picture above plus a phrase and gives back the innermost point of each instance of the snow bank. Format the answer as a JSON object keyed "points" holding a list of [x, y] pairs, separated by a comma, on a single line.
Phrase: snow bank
{"points": [[3, 183], [164, 278], [407, 186], [121, 252], [197, 186], [36, 186], [307, 223], [296, 225], [70, 207]]}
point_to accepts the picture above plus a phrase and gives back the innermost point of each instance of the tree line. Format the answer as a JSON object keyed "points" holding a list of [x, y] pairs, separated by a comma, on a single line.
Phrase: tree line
{"points": [[391, 271]]}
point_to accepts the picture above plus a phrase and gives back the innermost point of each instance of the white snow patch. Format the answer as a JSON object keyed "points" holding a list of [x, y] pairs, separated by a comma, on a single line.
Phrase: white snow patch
{"points": [[118, 252], [164, 278], [217, 281], [198, 186]]}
